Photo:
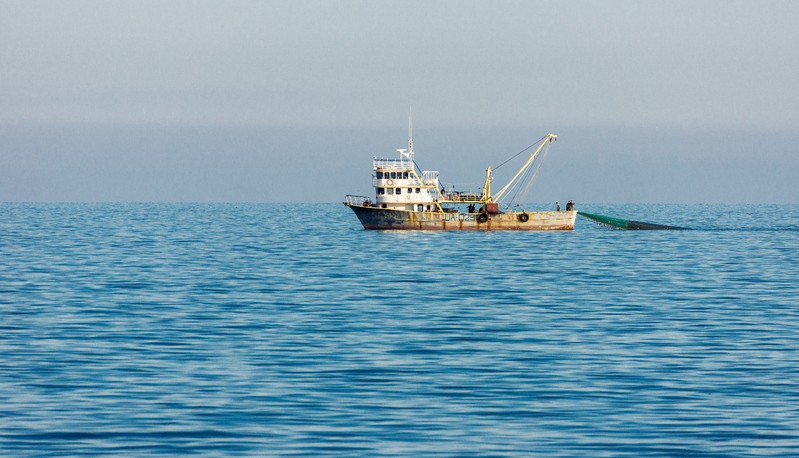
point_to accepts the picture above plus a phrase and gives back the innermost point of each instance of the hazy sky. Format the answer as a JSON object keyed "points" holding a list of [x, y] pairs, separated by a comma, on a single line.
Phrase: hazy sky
{"points": [[271, 101]]}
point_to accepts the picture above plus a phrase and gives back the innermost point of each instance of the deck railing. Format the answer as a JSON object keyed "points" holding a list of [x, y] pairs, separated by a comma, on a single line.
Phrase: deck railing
{"points": [[393, 164], [463, 196], [429, 176], [361, 201]]}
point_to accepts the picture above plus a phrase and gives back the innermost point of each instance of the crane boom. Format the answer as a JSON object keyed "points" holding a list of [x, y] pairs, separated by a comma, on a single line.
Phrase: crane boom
{"points": [[547, 138]]}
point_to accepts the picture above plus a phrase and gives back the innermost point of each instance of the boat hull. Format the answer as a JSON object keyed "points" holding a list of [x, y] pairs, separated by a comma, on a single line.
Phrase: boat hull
{"points": [[387, 219]]}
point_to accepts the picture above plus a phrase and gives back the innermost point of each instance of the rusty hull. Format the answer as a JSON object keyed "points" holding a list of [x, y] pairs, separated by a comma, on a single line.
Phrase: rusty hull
{"points": [[387, 219]]}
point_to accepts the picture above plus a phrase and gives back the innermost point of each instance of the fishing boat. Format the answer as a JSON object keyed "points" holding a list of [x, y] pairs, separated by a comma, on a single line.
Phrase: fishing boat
{"points": [[408, 198]]}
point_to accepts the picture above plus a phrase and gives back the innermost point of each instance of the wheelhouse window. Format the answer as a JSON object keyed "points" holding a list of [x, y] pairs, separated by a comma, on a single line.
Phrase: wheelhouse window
{"points": [[398, 191], [381, 191], [418, 190], [379, 175], [390, 191], [410, 190]]}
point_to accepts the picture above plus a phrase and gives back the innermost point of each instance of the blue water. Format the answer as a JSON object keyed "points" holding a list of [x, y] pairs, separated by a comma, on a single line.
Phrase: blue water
{"points": [[257, 329]]}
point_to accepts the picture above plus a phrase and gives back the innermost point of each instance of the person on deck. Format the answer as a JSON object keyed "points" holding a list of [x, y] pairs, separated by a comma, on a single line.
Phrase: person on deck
{"points": [[557, 206], [570, 205]]}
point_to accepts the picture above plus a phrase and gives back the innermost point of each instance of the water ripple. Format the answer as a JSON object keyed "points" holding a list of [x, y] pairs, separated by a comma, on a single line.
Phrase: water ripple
{"points": [[132, 329]]}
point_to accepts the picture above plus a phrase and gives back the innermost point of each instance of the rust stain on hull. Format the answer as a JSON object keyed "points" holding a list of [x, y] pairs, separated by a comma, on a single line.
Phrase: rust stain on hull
{"points": [[387, 219]]}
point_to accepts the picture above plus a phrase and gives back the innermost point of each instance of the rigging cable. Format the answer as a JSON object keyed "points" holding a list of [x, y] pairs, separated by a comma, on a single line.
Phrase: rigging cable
{"points": [[520, 152], [521, 189]]}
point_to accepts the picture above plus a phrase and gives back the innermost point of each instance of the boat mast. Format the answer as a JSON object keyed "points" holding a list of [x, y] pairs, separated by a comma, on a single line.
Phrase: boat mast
{"points": [[487, 186], [410, 135]]}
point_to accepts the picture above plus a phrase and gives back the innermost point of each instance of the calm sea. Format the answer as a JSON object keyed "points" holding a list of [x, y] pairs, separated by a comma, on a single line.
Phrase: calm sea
{"points": [[259, 329]]}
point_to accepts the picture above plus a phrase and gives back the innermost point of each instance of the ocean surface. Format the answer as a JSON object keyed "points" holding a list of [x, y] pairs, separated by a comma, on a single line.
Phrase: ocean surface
{"points": [[288, 330]]}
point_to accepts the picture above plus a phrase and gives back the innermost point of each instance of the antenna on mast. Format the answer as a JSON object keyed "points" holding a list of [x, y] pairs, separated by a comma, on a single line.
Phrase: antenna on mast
{"points": [[410, 133]]}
